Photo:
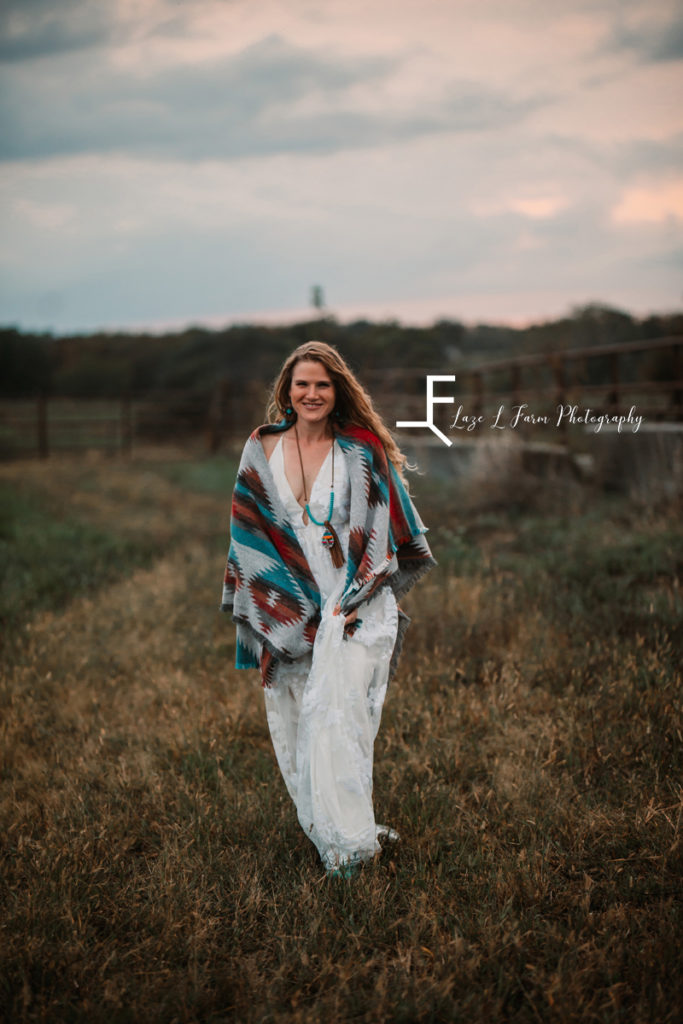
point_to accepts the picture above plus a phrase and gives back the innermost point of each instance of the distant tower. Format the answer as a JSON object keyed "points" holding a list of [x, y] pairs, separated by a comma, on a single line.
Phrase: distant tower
{"points": [[317, 297]]}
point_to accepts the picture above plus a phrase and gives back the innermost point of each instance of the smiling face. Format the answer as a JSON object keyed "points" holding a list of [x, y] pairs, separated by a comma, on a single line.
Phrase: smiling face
{"points": [[312, 393]]}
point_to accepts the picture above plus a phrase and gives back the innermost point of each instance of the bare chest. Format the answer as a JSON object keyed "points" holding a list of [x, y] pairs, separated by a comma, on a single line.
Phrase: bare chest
{"points": [[302, 466]]}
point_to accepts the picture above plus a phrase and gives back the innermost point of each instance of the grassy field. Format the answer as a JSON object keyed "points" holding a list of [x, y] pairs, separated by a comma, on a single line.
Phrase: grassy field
{"points": [[529, 755]]}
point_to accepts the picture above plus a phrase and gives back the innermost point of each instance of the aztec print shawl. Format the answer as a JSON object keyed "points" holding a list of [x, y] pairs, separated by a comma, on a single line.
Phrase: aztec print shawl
{"points": [[268, 586]]}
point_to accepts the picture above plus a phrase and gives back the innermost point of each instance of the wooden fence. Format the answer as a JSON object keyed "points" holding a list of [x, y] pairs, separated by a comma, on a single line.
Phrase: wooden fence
{"points": [[608, 379], [45, 425]]}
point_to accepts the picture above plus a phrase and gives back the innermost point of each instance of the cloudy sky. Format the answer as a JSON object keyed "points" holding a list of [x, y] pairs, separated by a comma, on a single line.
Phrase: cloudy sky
{"points": [[174, 161]]}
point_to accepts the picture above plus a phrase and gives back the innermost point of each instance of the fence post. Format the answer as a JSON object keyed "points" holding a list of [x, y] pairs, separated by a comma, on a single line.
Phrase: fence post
{"points": [[516, 384], [557, 365], [613, 396], [41, 422], [676, 374], [478, 382], [126, 426]]}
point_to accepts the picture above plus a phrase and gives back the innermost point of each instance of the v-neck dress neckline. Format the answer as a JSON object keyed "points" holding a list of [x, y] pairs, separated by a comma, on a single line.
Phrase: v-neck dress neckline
{"points": [[309, 534], [279, 452]]}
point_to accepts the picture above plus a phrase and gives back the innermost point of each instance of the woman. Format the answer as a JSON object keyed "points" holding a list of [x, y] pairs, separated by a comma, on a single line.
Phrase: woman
{"points": [[324, 538]]}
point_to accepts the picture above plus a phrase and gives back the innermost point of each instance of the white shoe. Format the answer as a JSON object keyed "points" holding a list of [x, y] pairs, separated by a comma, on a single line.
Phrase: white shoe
{"points": [[386, 834]]}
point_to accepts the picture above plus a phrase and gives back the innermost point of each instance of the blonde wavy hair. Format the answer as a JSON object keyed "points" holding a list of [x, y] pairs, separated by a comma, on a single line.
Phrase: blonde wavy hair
{"points": [[352, 402]]}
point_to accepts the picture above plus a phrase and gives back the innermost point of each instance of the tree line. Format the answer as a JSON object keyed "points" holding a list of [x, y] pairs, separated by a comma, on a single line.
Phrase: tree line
{"points": [[197, 358]]}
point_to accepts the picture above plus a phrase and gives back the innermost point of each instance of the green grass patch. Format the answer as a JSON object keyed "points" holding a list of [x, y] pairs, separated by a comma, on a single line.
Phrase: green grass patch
{"points": [[206, 476], [48, 558]]}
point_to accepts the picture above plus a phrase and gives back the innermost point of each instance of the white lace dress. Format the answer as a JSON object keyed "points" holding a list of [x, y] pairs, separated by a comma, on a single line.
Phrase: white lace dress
{"points": [[324, 709]]}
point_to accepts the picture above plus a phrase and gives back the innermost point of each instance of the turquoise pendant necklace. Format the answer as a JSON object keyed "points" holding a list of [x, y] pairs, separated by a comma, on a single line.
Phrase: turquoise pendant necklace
{"points": [[329, 538]]}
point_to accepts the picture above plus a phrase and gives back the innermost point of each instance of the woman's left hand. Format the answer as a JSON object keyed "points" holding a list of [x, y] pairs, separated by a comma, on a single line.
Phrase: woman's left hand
{"points": [[351, 617]]}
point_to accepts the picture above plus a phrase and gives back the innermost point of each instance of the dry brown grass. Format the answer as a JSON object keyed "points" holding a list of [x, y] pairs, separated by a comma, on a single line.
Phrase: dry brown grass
{"points": [[529, 755]]}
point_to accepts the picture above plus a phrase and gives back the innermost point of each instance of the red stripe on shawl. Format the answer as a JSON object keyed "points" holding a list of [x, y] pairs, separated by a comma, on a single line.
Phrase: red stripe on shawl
{"points": [[233, 576], [356, 545], [310, 629], [400, 526], [364, 435], [365, 565], [255, 485], [267, 666], [285, 609], [290, 555], [247, 513], [251, 517]]}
